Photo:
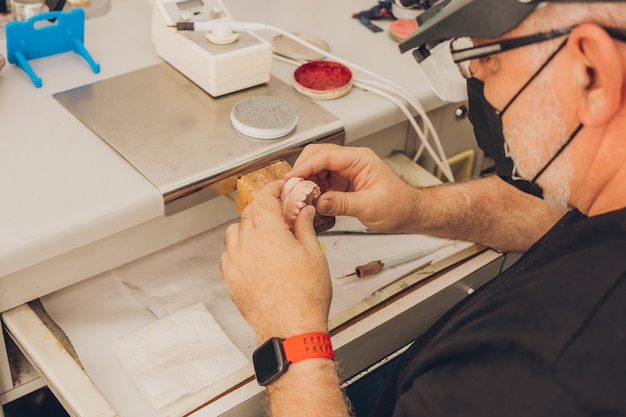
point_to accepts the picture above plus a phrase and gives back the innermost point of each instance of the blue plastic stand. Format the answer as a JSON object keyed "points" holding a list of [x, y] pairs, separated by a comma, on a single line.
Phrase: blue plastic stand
{"points": [[65, 33]]}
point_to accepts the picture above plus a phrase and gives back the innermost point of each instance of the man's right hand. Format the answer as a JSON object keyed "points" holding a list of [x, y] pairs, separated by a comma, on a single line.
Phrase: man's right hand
{"points": [[355, 182]]}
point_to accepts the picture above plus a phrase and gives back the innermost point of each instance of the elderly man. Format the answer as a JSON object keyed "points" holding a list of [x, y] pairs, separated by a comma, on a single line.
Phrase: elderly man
{"points": [[545, 337]]}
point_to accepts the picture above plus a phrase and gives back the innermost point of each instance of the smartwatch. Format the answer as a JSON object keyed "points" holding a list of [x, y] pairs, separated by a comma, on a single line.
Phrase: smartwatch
{"points": [[273, 357]]}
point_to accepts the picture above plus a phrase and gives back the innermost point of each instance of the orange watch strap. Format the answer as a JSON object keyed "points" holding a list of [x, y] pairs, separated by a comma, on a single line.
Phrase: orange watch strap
{"points": [[307, 346]]}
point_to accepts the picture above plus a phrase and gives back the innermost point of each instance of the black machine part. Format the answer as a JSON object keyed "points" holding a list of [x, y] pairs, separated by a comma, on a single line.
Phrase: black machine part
{"points": [[55, 5], [486, 19]]}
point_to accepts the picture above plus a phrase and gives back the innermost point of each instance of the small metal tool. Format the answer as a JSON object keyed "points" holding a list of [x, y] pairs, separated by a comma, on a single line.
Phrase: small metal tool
{"points": [[375, 267]]}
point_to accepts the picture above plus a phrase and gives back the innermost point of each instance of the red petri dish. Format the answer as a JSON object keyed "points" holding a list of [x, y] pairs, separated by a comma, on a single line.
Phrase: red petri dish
{"points": [[322, 79]]}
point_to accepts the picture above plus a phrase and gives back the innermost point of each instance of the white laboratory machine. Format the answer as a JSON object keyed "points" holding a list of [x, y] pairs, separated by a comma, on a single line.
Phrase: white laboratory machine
{"points": [[218, 63]]}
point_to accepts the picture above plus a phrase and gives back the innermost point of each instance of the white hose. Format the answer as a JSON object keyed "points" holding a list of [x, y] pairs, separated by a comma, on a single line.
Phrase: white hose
{"points": [[382, 87]]}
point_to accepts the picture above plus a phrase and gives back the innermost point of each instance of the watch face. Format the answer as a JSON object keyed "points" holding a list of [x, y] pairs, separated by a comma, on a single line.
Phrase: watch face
{"points": [[269, 361]]}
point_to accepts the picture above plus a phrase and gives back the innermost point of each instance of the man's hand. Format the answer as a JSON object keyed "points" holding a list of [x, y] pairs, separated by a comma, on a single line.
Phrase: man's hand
{"points": [[355, 182], [280, 281], [483, 210], [281, 284]]}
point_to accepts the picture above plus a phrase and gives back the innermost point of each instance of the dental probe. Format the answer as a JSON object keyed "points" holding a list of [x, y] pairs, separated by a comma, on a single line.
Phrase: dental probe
{"points": [[375, 267]]}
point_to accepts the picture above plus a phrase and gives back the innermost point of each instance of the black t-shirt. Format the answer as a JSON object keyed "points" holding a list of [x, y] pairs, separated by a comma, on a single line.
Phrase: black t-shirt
{"points": [[545, 338]]}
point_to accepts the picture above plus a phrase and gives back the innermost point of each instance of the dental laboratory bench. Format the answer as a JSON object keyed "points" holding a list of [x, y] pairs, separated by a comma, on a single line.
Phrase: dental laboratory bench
{"points": [[117, 187]]}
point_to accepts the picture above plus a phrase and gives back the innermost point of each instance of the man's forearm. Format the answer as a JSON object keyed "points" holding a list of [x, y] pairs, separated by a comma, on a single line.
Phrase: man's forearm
{"points": [[487, 211], [310, 388]]}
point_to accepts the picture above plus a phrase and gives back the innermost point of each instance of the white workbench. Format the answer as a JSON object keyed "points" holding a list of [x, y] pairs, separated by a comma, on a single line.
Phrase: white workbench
{"points": [[73, 208], [65, 188]]}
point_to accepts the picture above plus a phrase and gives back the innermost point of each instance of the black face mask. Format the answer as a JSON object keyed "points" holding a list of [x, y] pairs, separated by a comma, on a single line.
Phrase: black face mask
{"points": [[488, 131], [487, 123]]}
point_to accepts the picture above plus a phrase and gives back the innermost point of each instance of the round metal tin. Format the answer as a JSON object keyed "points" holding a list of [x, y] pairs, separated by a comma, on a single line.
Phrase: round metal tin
{"points": [[264, 117]]}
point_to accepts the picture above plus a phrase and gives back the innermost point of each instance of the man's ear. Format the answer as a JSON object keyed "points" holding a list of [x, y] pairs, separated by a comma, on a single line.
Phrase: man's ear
{"points": [[597, 70]]}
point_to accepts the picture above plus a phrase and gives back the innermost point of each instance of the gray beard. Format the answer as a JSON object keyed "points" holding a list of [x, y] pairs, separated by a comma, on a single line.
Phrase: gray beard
{"points": [[534, 121]]}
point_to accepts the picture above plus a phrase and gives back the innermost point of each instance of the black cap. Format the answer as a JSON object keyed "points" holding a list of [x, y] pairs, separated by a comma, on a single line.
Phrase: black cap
{"points": [[474, 18]]}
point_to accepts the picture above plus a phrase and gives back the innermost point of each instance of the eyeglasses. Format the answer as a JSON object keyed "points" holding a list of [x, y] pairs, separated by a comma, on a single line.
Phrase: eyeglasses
{"points": [[463, 49]]}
